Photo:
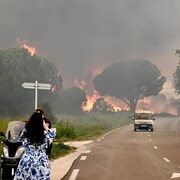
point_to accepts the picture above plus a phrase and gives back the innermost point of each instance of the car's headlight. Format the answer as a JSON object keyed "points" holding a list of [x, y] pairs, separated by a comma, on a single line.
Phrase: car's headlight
{"points": [[19, 152], [5, 151]]}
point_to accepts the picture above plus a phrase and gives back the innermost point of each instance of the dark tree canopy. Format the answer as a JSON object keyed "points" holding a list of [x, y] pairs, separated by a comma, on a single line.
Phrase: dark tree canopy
{"points": [[102, 106], [130, 81], [16, 67], [70, 101], [176, 75]]}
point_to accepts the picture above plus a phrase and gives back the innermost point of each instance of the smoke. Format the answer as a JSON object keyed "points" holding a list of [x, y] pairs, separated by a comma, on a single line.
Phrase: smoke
{"points": [[81, 35]]}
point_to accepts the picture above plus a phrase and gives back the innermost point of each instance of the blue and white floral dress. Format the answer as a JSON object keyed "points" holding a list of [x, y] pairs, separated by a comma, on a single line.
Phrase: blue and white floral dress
{"points": [[34, 163]]}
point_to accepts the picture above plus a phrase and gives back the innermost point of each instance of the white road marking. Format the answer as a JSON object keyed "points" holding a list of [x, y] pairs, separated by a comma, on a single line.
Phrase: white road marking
{"points": [[167, 160], [74, 174], [149, 135], [175, 175], [88, 151], [98, 139], [83, 158], [150, 139], [155, 147]]}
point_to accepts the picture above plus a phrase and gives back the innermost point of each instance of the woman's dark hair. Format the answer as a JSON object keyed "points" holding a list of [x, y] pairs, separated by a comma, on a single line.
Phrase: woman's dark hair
{"points": [[47, 121], [39, 110], [34, 129]]}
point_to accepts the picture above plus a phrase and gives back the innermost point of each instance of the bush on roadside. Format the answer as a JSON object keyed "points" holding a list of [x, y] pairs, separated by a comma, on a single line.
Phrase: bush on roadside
{"points": [[65, 131]]}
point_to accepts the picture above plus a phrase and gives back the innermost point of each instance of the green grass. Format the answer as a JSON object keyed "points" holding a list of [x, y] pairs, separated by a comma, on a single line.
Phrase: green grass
{"points": [[91, 126], [82, 127], [60, 149]]}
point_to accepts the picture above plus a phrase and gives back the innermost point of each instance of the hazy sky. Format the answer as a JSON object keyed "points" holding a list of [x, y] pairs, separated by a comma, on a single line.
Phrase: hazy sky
{"points": [[84, 36]]}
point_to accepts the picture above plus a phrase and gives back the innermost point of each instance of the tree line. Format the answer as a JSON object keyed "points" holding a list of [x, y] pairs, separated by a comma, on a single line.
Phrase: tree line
{"points": [[18, 66], [127, 81]]}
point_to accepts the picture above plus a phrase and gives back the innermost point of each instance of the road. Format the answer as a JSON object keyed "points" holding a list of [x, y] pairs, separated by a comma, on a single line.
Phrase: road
{"points": [[127, 155]]}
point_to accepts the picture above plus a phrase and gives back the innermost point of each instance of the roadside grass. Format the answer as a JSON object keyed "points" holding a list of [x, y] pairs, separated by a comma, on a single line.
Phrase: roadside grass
{"points": [[60, 150], [78, 128], [90, 126], [84, 127]]}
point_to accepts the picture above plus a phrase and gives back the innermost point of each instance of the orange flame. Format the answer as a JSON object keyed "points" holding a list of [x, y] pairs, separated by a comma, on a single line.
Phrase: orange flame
{"points": [[24, 44], [31, 50], [90, 101], [117, 104], [116, 108]]}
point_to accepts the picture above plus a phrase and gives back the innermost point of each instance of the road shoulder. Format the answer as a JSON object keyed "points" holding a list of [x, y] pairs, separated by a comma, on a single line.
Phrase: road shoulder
{"points": [[61, 166]]}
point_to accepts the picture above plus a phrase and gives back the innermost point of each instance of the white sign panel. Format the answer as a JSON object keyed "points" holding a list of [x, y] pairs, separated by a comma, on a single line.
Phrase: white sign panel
{"points": [[36, 86], [39, 86], [44, 86], [28, 85]]}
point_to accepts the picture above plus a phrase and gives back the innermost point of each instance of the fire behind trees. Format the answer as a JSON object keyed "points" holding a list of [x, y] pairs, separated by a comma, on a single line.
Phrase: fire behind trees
{"points": [[130, 81], [127, 81]]}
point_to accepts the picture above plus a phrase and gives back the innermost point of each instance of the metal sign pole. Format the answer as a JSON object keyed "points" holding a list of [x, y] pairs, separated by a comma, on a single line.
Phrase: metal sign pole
{"points": [[36, 94], [36, 86]]}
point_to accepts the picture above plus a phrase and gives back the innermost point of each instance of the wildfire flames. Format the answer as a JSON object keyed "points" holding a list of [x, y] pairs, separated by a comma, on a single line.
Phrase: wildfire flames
{"points": [[25, 45], [114, 102], [143, 104], [90, 101], [31, 50]]}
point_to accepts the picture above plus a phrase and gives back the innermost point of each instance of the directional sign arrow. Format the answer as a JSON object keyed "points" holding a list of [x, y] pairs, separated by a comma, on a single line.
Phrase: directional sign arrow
{"points": [[28, 85], [175, 175], [33, 86]]}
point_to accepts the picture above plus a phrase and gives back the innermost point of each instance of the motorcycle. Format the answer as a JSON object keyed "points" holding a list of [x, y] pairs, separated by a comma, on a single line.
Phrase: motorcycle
{"points": [[12, 150]]}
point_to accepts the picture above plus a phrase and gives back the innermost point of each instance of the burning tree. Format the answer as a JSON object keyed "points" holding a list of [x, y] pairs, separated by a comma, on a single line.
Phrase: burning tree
{"points": [[130, 81], [102, 106]]}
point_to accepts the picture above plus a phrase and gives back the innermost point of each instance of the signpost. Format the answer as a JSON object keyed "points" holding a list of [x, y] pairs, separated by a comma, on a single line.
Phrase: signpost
{"points": [[36, 86]]}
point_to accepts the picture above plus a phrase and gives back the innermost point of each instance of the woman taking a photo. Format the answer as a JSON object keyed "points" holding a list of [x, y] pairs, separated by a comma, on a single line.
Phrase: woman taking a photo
{"points": [[34, 163]]}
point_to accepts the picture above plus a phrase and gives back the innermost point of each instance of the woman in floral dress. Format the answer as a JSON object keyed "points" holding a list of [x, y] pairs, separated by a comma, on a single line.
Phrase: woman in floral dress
{"points": [[34, 163]]}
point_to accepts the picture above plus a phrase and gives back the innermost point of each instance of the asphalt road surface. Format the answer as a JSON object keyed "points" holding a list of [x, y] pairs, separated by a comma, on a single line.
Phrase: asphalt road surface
{"points": [[127, 155]]}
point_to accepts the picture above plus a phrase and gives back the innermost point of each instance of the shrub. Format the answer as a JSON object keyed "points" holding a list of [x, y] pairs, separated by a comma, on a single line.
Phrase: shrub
{"points": [[65, 131]]}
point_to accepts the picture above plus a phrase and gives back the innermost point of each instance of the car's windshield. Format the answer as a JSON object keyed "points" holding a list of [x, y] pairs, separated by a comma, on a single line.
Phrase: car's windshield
{"points": [[14, 129], [143, 116]]}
